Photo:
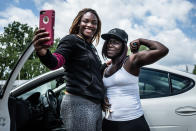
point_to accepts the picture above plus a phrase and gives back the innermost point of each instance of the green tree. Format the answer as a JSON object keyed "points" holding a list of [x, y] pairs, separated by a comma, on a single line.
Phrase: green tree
{"points": [[140, 49], [194, 71], [13, 41]]}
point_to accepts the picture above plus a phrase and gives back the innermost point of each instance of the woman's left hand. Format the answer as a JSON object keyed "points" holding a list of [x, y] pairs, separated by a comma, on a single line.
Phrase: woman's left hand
{"points": [[106, 105]]}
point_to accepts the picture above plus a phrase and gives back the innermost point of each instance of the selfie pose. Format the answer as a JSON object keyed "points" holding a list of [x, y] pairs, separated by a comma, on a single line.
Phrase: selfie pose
{"points": [[81, 106], [121, 80]]}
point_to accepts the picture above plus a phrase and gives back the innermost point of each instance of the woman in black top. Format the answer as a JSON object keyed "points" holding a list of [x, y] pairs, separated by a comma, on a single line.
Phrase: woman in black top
{"points": [[81, 106]]}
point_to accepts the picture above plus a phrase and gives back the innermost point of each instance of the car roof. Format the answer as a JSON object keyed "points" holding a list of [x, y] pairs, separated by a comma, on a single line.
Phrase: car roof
{"points": [[151, 66], [171, 70]]}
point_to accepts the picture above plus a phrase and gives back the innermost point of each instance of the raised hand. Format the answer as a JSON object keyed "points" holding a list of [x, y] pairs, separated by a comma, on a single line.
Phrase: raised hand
{"points": [[39, 38]]}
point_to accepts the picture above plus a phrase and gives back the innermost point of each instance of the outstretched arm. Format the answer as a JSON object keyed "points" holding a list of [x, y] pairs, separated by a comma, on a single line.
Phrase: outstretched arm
{"points": [[52, 61]]}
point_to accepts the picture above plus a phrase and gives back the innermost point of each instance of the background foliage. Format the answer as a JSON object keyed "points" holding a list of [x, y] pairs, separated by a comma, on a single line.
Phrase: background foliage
{"points": [[13, 42]]}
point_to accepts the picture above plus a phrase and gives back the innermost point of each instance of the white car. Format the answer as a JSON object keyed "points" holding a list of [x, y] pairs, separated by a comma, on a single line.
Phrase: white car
{"points": [[168, 99]]}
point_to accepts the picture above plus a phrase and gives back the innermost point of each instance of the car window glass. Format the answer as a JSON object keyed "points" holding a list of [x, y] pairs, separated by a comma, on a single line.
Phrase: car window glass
{"points": [[42, 89], [153, 83], [180, 83]]}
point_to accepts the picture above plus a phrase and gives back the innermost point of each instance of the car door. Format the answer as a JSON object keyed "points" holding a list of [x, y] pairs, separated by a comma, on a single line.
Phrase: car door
{"points": [[5, 91], [168, 100]]}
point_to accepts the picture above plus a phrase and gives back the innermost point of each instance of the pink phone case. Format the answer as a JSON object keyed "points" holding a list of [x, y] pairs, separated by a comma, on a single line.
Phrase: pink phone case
{"points": [[47, 18]]}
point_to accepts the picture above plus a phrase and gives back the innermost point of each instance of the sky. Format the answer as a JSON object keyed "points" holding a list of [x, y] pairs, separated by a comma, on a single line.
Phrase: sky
{"points": [[171, 22]]}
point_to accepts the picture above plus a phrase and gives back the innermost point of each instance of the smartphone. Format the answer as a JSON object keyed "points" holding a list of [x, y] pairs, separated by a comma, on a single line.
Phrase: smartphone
{"points": [[47, 19]]}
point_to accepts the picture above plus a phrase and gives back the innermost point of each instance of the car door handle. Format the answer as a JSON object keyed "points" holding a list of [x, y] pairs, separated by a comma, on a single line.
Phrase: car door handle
{"points": [[186, 111]]}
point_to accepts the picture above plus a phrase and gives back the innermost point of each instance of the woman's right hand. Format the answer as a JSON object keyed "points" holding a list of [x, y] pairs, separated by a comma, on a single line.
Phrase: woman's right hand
{"points": [[134, 46], [108, 62], [39, 38]]}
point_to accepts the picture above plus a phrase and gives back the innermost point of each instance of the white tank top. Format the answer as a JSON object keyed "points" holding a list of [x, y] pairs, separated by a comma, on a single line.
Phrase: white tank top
{"points": [[123, 94]]}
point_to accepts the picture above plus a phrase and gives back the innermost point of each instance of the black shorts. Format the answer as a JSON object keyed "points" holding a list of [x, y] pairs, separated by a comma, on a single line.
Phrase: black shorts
{"points": [[138, 124]]}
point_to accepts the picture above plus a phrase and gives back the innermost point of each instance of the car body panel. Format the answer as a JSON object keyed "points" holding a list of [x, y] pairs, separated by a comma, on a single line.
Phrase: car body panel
{"points": [[161, 112], [172, 113]]}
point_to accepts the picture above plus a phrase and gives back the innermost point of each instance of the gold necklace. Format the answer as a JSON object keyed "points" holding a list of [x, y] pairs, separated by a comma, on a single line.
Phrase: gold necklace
{"points": [[80, 36], [83, 38]]}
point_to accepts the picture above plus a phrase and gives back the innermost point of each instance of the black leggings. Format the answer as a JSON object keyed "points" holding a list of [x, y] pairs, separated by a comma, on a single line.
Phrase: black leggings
{"points": [[138, 124]]}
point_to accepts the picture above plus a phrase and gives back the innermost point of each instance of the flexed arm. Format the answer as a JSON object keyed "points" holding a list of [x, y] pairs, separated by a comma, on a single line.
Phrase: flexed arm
{"points": [[156, 51]]}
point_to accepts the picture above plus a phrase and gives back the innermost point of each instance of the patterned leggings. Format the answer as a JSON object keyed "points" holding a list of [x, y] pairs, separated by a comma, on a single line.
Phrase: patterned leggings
{"points": [[80, 114]]}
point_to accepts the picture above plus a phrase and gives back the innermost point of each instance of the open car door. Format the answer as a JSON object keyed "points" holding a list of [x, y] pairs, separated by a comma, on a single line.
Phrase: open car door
{"points": [[5, 123]]}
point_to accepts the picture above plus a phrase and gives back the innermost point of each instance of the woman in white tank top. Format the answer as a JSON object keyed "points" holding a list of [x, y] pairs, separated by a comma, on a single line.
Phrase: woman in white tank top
{"points": [[121, 80]]}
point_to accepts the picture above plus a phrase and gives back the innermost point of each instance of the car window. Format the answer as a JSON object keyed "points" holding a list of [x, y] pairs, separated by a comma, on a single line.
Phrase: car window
{"points": [[43, 88], [180, 83], [153, 83]]}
